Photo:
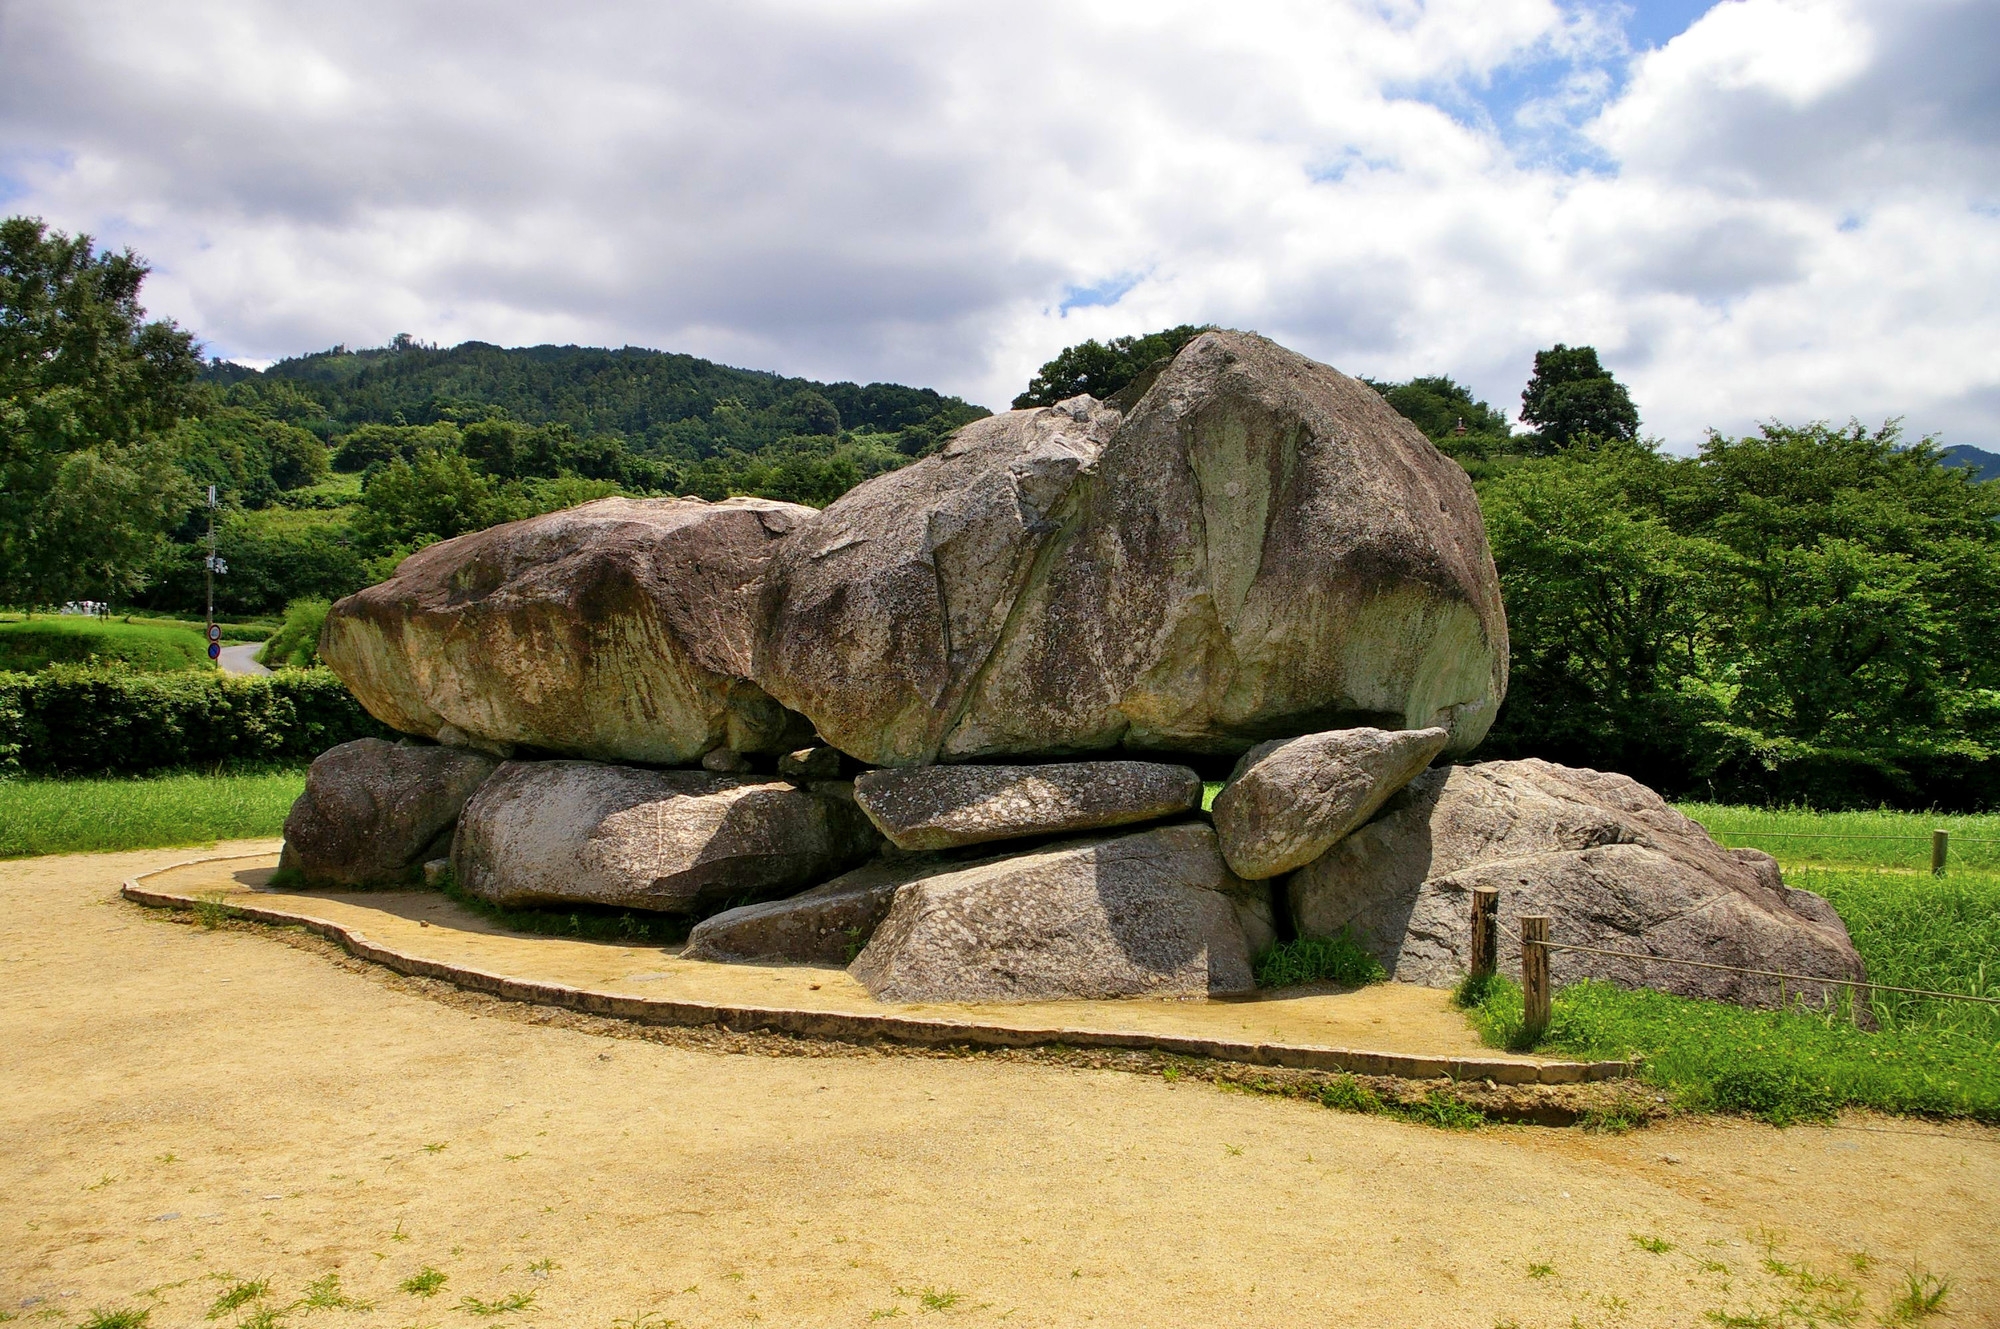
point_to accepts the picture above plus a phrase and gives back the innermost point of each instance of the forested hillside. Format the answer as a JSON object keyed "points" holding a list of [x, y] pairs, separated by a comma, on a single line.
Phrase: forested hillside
{"points": [[332, 466]]}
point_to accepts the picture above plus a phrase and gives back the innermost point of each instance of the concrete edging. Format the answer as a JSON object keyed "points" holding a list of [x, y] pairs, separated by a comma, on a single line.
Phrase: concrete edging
{"points": [[852, 1027]]}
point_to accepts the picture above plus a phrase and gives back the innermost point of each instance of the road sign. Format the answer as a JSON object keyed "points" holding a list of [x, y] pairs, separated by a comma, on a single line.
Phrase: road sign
{"points": [[215, 632], [215, 650]]}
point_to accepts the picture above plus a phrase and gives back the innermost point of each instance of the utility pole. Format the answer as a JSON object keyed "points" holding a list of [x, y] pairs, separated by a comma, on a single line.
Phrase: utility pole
{"points": [[211, 632]]}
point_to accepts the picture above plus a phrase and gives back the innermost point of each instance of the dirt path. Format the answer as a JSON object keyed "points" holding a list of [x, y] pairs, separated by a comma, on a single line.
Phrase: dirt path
{"points": [[184, 1108]]}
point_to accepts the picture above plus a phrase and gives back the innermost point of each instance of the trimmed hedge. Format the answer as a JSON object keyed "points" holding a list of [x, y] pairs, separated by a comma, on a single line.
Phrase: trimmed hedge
{"points": [[74, 720]]}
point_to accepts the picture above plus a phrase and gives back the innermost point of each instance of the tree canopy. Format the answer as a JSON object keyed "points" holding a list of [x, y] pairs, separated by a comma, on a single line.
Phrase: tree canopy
{"points": [[1805, 612], [1102, 368], [88, 389], [1572, 398]]}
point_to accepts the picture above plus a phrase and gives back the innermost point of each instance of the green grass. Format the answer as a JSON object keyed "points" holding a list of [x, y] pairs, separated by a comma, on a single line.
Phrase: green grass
{"points": [[42, 816], [1930, 1057], [1863, 839], [1336, 959], [28, 645]]}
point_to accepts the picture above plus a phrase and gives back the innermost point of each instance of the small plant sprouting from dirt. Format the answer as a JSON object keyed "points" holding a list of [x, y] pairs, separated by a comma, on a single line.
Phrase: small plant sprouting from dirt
{"points": [[324, 1294], [437, 1146], [1922, 1296], [1541, 1270], [212, 910], [1653, 1245], [426, 1282], [938, 1299], [507, 1305], [237, 1295], [644, 1320], [131, 1317]]}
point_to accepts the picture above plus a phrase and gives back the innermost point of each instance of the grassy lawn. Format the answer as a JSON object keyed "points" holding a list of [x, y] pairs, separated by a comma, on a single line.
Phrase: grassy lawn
{"points": [[1864, 839], [40, 816]]}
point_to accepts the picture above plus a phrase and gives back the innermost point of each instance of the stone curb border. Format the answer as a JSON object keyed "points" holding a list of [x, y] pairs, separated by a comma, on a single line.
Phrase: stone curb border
{"points": [[852, 1028]]}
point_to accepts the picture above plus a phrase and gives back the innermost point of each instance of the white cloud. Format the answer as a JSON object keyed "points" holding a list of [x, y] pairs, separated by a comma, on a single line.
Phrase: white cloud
{"points": [[1793, 209]]}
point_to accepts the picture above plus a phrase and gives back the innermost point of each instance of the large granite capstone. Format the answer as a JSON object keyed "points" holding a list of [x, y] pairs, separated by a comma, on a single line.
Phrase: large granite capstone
{"points": [[1608, 861], [1260, 548], [582, 832], [619, 629]]}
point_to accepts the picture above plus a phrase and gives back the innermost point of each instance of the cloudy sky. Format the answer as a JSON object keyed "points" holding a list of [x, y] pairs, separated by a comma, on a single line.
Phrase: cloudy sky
{"points": [[1754, 209]]}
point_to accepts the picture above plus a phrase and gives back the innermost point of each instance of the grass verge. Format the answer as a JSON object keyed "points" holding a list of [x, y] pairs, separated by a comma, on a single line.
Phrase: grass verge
{"points": [[39, 816]]}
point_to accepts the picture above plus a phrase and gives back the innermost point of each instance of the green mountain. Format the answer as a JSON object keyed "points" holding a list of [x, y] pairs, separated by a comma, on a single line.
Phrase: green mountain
{"points": [[657, 404]]}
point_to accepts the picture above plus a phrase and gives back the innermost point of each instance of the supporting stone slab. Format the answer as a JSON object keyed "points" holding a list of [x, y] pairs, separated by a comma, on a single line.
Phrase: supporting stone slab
{"points": [[845, 1026]]}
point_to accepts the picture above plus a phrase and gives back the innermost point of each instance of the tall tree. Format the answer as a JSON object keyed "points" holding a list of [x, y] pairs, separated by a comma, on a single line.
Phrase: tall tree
{"points": [[88, 486], [1101, 368], [1573, 398]]}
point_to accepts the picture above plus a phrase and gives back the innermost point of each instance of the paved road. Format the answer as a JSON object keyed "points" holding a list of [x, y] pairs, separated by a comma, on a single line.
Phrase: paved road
{"points": [[242, 659]]}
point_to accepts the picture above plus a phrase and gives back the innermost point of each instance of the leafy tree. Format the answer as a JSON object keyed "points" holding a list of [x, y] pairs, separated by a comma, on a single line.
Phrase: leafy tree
{"points": [[88, 486], [1802, 613], [1572, 398], [1101, 368], [410, 504]]}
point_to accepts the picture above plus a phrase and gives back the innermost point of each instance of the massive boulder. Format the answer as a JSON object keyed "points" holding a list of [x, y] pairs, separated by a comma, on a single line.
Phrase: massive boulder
{"points": [[581, 832], [941, 807], [374, 812], [619, 630], [1608, 861], [1288, 801], [1260, 547], [1152, 913]]}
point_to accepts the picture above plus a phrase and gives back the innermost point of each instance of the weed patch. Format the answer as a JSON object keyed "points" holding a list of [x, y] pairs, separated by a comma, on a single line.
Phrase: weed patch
{"points": [[426, 1282], [131, 1317], [1335, 959], [238, 1295]]}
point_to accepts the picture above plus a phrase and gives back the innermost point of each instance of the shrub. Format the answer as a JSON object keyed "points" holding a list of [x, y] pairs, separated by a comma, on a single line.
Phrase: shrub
{"points": [[296, 644], [71, 720]]}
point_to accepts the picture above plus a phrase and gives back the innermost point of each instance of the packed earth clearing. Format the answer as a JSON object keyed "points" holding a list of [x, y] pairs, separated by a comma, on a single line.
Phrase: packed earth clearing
{"points": [[200, 1119]]}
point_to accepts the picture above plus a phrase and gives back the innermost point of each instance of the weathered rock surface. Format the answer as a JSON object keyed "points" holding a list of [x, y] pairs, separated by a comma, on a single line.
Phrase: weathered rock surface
{"points": [[1605, 857], [373, 812], [1288, 801], [619, 629], [1155, 912], [814, 763], [941, 807], [828, 924], [1261, 547], [579, 832]]}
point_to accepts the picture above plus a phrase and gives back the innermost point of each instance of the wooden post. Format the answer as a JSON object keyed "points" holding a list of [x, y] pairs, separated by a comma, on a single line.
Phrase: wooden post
{"points": [[1535, 973], [1485, 930], [1940, 841]]}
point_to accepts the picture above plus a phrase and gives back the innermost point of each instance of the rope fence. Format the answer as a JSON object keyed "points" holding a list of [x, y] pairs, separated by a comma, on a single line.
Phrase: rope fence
{"points": [[1942, 841], [1758, 973]]}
